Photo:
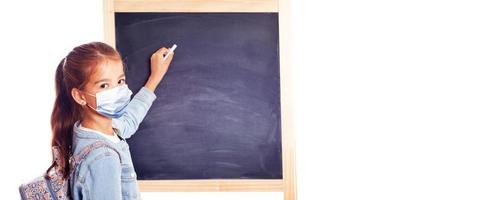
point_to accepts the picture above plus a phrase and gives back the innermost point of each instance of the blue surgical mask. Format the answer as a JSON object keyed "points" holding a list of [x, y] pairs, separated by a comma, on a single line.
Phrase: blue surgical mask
{"points": [[112, 103]]}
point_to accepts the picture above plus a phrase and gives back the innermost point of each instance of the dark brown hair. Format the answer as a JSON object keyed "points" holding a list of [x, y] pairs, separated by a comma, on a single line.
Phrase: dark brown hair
{"points": [[74, 72]]}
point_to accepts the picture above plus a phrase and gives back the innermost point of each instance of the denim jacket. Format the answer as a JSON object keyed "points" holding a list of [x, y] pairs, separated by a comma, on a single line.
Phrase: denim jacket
{"points": [[104, 174]]}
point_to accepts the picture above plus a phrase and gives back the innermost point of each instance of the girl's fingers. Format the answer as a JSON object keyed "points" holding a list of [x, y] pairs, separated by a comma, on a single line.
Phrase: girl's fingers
{"points": [[165, 52], [160, 51], [169, 53]]}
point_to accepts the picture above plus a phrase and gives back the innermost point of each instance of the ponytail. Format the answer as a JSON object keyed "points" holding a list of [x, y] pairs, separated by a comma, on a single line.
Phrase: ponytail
{"points": [[64, 115]]}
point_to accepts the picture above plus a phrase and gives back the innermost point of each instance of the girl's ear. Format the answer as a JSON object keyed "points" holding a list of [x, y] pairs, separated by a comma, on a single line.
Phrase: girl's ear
{"points": [[78, 96]]}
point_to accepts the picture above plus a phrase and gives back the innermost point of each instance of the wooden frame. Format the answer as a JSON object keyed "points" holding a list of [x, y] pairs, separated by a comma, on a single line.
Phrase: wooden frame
{"points": [[288, 183]]}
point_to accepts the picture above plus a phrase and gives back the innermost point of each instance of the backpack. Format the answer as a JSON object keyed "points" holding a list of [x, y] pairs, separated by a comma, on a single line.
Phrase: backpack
{"points": [[52, 185]]}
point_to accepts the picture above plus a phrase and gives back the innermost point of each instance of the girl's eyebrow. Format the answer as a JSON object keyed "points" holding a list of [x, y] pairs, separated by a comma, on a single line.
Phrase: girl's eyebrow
{"points": [[102, 80], [106, 79]]}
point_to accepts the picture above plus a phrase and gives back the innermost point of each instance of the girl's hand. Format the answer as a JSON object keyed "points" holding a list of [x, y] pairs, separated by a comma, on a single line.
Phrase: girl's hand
{"points": [[158, 67]]}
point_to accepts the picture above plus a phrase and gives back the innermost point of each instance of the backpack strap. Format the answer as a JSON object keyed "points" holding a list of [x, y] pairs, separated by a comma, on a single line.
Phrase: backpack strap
{"points": [[75, 160]]}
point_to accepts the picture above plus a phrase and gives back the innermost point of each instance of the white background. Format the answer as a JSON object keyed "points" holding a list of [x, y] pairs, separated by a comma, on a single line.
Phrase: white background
{"points": [[392, 99]]}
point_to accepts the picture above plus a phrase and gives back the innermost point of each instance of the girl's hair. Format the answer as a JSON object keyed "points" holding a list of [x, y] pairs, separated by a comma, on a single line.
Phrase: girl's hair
{"points": [[74, 72]]}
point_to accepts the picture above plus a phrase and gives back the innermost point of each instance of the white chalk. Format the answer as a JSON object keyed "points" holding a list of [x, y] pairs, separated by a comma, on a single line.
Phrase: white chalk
{"points": [[172, 49]]}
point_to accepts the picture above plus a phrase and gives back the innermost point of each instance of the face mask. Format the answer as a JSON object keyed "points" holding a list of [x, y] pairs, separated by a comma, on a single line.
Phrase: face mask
{"points": [[112, 103]]}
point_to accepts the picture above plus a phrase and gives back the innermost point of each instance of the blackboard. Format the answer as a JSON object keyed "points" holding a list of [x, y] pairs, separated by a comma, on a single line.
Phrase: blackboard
{"points": [[217, 112]]}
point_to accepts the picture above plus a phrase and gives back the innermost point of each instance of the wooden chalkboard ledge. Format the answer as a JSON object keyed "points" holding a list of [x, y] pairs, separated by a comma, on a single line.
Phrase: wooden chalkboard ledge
{"points": [[212, 185], [195, 6]]}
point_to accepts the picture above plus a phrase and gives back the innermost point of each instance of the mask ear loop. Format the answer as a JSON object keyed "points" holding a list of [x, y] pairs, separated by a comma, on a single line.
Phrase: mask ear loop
{"points": [[91, 107], [87, 103]]}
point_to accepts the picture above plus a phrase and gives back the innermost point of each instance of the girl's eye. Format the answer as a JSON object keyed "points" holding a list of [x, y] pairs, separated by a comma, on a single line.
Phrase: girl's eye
{"points": [[121, 81], [104, 86]]}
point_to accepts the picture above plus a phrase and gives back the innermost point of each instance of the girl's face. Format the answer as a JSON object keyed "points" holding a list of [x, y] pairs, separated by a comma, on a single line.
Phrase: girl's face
{"points": [[107, 75]]}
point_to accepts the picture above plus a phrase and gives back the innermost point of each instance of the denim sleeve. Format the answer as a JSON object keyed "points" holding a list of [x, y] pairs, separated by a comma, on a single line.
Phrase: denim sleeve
{"points": [[103, 180], [135, 112]]}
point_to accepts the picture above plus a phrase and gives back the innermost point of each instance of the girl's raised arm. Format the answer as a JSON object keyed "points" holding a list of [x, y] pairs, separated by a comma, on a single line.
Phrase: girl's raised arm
{"points": [[137, 108]]}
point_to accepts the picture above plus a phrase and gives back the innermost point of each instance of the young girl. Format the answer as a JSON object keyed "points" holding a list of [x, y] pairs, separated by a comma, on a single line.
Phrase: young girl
{"points": [[93, 103]]}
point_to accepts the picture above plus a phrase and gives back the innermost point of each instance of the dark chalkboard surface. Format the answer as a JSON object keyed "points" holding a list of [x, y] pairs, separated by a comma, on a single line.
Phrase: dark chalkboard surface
{"points": [[217, 114]]}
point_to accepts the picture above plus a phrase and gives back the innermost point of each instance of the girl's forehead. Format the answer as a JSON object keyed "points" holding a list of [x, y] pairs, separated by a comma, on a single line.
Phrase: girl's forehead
{"points": [[109, 69]]}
